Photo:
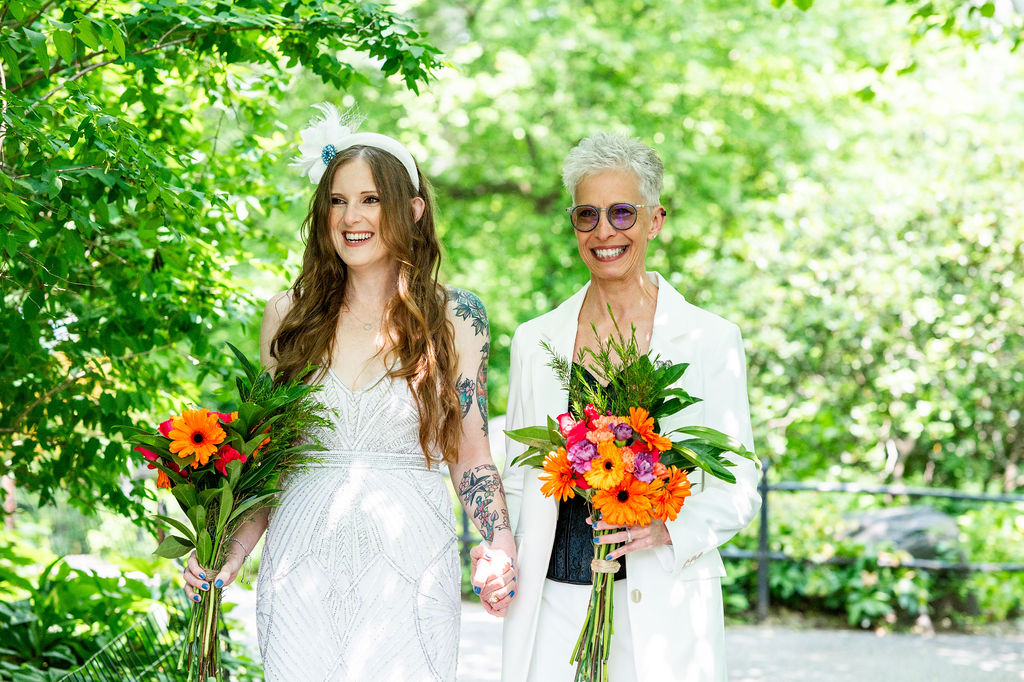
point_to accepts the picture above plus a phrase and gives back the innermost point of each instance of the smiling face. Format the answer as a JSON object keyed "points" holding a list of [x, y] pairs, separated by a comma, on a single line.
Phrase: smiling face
{"points": [[608, 253], [356, 215]]}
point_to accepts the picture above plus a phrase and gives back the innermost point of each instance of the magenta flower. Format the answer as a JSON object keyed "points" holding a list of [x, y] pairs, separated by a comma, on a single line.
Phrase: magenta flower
{"points": [[643, 467], [580, 454], [622, 431]]}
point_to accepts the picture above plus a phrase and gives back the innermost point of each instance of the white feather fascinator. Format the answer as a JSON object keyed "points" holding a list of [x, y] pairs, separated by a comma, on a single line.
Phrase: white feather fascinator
{"points": [[334, 131]]}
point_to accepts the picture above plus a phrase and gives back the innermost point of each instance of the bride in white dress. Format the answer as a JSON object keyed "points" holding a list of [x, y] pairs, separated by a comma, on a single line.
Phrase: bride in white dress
{"points": [[360, 575]]}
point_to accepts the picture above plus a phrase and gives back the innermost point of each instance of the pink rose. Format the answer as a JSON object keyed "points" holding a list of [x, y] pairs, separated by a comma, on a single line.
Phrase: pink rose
{"points": [[565, 424]]}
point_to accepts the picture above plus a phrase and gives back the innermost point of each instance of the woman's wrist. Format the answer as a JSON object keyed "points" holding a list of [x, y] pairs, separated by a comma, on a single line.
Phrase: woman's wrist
{"points": [[245, 550]]}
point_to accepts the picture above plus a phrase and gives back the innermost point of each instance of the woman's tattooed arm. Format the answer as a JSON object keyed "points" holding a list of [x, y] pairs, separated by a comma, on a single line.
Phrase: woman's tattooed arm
{"points": [[483, 496], [473, 389]]}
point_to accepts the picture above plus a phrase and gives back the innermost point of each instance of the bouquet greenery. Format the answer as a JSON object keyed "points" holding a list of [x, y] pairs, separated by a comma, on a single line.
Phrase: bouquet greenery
{"points": [[221, 468], [609, 449]]}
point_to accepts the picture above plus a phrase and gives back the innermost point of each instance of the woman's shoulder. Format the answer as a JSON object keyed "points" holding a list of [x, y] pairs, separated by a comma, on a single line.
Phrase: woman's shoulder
{"points": [[466, 309], [279, 304]]}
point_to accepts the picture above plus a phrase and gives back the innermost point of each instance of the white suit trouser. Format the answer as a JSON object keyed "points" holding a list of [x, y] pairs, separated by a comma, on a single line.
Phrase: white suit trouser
{"points": [[562, 611]]}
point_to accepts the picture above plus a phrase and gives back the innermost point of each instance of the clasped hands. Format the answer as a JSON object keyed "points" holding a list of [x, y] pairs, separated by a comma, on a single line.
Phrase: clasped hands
{"points": [[494, 577]]}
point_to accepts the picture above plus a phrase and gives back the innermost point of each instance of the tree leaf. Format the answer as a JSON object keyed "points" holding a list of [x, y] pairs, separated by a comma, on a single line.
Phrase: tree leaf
{"points": [[65, 44], [38, 42]]}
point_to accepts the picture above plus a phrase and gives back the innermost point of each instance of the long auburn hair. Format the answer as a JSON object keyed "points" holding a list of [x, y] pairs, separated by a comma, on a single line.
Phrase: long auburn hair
{"points": [[421, 337]]}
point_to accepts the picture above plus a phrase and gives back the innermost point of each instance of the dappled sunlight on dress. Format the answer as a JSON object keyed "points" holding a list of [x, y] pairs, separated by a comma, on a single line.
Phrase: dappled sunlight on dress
{"points": [[360, 576]]}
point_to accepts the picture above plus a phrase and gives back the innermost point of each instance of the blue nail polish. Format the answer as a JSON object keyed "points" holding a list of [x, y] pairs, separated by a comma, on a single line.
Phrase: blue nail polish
{"points": [[195, 597], [595, 525], [202, 575], [477, 590], [512, 593], [219, 582], [595, 540], [513, 578], [205, 586], [608, 557]]}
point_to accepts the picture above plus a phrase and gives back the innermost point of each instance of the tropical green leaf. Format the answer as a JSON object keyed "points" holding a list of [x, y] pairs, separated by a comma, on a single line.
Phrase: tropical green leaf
{"points": [[173, 547]]}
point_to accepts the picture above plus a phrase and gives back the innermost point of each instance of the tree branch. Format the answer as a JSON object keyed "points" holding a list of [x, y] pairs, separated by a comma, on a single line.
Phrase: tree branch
{"points": [[44, 397], [31, 20], [72, 379]]}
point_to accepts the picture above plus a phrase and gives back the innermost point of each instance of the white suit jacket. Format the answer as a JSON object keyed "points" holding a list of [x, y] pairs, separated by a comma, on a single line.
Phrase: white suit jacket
{"points": [[661, 606]]}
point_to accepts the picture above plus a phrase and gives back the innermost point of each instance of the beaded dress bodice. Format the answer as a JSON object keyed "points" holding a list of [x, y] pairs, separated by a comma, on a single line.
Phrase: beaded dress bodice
{"points": [[360, 576]]}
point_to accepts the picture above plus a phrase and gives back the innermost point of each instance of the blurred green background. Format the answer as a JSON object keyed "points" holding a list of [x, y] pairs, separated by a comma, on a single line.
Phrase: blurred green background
{"points": [[842, 181]]}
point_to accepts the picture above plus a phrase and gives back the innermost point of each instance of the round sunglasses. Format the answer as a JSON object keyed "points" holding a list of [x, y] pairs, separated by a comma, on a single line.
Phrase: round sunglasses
{"points": [[620, 216]]}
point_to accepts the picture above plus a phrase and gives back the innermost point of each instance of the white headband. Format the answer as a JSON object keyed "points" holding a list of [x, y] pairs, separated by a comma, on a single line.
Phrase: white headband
{"points": [[334, 132]]}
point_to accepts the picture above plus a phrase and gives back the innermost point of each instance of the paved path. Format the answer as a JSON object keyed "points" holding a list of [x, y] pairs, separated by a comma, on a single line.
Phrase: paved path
{"points": [[773, 654], [776, 654]]}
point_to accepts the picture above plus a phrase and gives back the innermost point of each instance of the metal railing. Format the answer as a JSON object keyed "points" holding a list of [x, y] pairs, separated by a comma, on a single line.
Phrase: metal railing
{"points": [[764, 556]]}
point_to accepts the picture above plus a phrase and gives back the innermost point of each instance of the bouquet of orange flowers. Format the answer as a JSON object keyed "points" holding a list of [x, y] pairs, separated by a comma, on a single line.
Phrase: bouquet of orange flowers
{"points": [[221, 468], [610, 450]]}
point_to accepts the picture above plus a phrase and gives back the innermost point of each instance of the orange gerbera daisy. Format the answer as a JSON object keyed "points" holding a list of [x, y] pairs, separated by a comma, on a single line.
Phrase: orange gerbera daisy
{"points": [[643, 424], [558, 477], [625, 505], [607, 469], [196, 432], [668, 498]]}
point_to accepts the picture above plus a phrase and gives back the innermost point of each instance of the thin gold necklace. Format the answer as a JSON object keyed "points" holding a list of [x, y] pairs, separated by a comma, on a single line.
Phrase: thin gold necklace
{"points": [[367, 326]]}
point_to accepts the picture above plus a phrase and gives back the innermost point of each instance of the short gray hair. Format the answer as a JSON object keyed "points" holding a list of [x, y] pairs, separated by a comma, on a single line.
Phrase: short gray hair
{"points": [[608, 151]]}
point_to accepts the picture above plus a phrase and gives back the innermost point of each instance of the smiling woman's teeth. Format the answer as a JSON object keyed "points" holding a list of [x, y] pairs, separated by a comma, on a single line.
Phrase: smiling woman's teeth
{"points": [[610, 253], [356, 237]]}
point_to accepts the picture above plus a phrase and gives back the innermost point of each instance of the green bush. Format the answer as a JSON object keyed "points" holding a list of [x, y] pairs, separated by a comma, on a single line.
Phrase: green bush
{"points": [[54, 618], [869, 587]]}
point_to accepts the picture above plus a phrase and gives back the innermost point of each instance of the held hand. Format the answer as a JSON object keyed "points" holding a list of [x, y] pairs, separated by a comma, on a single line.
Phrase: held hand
{"points": [[494, 578], [635, 537], [196, 577]]}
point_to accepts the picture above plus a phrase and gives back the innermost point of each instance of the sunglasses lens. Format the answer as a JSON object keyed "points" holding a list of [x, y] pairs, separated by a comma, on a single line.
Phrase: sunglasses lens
{"points": [[584, 218], [622, 216]]}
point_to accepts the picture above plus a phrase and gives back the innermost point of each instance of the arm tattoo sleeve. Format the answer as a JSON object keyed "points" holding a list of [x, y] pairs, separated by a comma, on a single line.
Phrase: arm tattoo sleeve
{"points": [[469, 307], [482, 494]]}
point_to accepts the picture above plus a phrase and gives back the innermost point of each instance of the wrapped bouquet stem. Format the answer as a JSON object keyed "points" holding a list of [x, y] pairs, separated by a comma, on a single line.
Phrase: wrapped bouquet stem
{"points": [[610, 450]]}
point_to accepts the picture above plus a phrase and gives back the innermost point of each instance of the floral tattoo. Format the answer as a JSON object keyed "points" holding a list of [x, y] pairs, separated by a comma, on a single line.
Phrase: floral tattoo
{"points": [[483, 495], [469, 307]]}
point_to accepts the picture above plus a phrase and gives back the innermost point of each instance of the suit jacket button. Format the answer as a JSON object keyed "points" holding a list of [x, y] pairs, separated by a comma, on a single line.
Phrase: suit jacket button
{"points": [[635, 596]]}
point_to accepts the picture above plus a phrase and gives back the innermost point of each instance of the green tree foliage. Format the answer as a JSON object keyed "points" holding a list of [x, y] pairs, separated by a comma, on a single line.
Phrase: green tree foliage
{"points": [[975, 22], [839, 191], [137, 147]]}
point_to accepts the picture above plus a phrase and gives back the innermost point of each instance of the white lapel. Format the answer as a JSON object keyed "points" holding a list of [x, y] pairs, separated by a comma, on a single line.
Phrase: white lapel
{"points": [[559, 331]]}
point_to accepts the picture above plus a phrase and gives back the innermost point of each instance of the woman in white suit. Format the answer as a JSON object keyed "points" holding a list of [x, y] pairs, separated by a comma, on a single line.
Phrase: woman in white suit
{"points": [[668, 622]]}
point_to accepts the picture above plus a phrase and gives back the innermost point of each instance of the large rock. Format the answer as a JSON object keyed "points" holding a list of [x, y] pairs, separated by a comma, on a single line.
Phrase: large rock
{"points": [[921, 531]]}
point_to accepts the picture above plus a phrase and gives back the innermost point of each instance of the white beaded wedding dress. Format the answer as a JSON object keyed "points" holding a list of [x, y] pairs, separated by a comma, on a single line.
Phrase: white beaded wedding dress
{"points": [[360, 572]]}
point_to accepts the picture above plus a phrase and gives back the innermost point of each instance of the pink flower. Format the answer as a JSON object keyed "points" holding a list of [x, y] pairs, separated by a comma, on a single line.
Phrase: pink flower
{"points": [[578, 433], [591, 412], [643, 467], [226, 417], [166, 427], [565, 424], [224, 455], [580, 454], [148, 454]]}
